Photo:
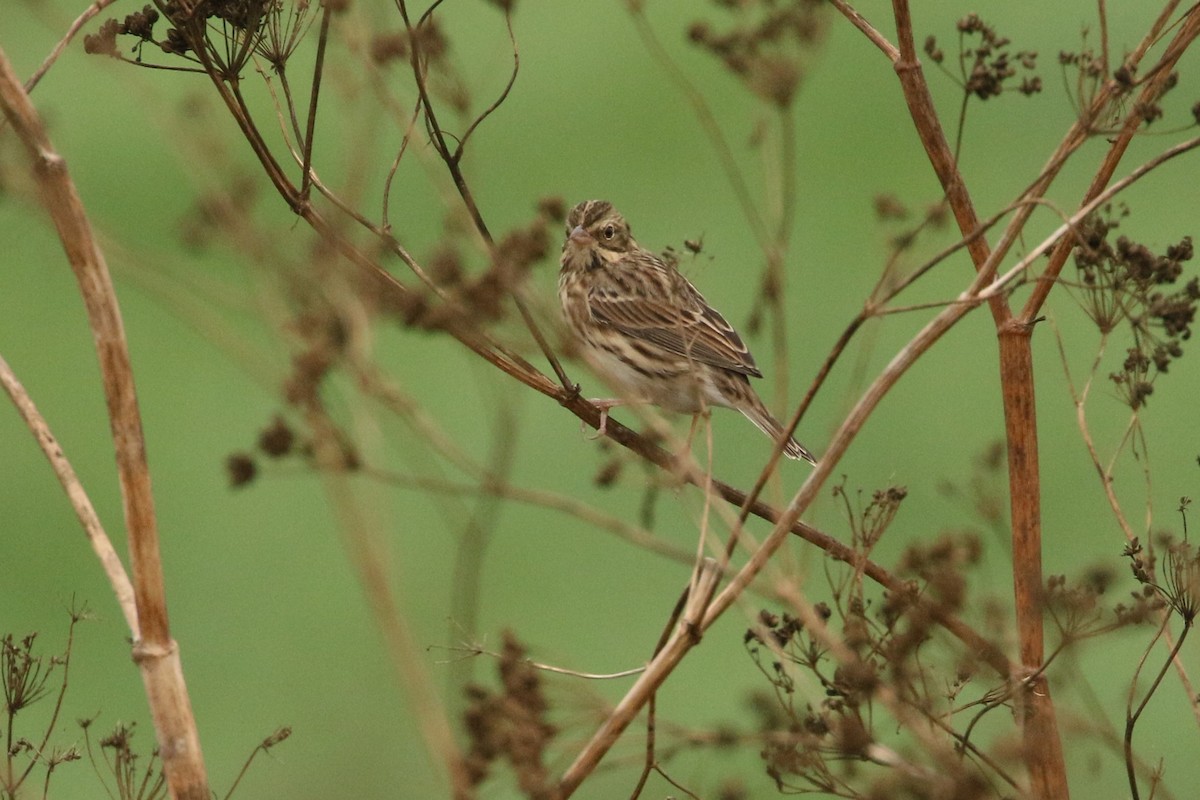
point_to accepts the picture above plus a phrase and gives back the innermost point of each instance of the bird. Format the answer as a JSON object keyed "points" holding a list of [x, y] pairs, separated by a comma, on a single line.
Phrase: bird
{"points": [[645, 329]]}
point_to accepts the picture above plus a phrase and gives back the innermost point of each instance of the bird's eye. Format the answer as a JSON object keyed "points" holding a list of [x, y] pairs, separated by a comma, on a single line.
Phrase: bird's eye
{"points": [[610, 231]]}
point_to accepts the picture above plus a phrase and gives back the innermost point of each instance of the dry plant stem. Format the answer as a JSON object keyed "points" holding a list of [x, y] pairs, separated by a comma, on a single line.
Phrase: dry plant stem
{"points": [[688, 608], [507, 361], [476, 534], [310, 130], [571, 673], [495, 104], [676, 784], [1045, 760], [52, 725], [910, 718], [1149, 772], [1075, 137], [155, 653], [1043, 751], [1131, 717], [1102, 9], [1042, 748], [453, 161], [652, 704], [1105, 474], [774, 275], [478, 341], [1035, 710], [835, 548], [867, 29], [83, 19], [937, 148], [872, 308], [99, 540]]}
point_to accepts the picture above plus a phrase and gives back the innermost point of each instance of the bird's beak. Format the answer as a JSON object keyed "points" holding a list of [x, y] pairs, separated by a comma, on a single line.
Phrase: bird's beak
{"points": [[581, 237]]}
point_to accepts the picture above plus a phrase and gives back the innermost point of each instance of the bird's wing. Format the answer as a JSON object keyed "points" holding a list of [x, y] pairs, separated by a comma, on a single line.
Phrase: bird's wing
{"points": [[671, 314]]}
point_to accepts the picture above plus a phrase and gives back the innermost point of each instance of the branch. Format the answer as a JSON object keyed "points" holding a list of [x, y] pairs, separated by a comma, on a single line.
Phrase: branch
{"points": [[937, 148], [453, 162], [310, 130], [87, 16], [868, 30], [80, 501], [1131, 717], [155, 653]]}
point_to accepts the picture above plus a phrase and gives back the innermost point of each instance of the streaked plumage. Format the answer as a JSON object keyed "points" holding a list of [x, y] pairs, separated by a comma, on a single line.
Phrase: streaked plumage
{"points": [[647, 330]]}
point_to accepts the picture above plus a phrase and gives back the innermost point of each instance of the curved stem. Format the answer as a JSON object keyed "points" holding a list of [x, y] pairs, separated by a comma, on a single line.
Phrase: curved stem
{"points": [[155, 652], [310, 130], [1132, 718], [453, 162]]}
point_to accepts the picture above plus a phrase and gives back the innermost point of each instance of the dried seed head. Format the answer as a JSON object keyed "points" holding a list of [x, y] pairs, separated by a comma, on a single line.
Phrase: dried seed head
{"points": [[241, 469]]}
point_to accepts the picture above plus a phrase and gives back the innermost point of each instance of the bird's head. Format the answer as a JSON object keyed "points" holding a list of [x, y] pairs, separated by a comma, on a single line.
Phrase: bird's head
{"points": [[596, 230]]}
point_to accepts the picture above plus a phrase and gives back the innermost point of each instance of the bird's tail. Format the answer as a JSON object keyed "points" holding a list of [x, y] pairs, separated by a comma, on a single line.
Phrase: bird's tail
{"points": [[757, 413]]}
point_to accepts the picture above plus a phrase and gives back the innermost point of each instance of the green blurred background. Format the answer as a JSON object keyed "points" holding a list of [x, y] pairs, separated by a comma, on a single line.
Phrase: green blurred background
{"points": [[273, 624]]}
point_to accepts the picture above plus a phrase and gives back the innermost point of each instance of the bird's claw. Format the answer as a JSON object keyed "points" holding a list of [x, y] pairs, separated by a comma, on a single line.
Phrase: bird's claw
{"points": [[603, 406]]}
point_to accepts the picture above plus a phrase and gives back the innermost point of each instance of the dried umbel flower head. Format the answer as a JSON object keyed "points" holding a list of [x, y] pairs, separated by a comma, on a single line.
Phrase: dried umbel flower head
{"points": [[942, 564], [1178, 583], [767, 44], [511, 723], [986, 60], [278, 439], [218, 36], [867, 524], [241, 469], [1125, 282], [1181, 580]]}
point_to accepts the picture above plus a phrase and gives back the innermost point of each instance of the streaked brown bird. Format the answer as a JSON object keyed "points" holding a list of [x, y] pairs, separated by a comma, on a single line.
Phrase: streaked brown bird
{"points": [[646, 329]]}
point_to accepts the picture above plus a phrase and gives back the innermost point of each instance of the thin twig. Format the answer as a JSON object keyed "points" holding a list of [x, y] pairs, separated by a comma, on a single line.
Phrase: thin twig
{"points": [[1107, 485], [775, 277], [473, 540], [495, 104], [475, 650], [1077, 135], [453, 162], [859, 21], [52, 724], [1131, 717], [87, 16], [310, 130], [76, 494]]}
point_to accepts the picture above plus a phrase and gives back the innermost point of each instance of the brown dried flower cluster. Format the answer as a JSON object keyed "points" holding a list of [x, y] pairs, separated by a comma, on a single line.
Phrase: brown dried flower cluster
{"points": [[220, 33], [511, 724], [1123, 281], [986, 68], [1178, 585], [765, 48], [475, 299]]}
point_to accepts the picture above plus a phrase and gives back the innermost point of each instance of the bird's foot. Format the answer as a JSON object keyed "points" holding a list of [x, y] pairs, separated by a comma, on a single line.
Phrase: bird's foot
{"points": [[604, 405]]}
